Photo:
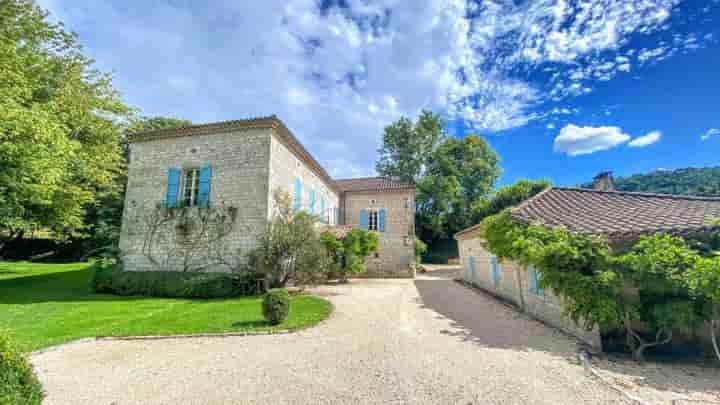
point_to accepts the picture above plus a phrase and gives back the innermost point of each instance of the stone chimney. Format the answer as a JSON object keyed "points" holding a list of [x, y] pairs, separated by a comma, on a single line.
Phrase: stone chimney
{"points": [[604, 182]]}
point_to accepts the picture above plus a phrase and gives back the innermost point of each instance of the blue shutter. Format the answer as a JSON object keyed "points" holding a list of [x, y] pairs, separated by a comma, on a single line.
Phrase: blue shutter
{"points": [[532, 280], [173, 187], [495, 271], [471, 262], [381, 220], [297, 197], [540, 291], [323, 214], [364, 219], [311, 201], [204, 187]]}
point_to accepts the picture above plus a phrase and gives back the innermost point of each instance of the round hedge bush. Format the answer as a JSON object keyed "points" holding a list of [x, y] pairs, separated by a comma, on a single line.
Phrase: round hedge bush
{"points": [[276, 305], [18, 384]]}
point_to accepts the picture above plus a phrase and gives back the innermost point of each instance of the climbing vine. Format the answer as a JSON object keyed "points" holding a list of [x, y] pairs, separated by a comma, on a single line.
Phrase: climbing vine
{"points": [[660, 282]]}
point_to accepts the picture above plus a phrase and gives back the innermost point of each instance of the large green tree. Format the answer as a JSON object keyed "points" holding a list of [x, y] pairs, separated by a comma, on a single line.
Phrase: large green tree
{"points": [[408, 146], [59, 138], [508, 196], [453, 175], [460, 174]]}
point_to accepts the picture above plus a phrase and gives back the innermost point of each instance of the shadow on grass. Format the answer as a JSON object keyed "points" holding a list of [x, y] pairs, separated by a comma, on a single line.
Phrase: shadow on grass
{"points": [[251, 324]]}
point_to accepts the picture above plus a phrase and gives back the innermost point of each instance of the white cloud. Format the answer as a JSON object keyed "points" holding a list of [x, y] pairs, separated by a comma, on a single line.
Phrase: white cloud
{"points": [[645, 140], [574, 140], [709, 133]]}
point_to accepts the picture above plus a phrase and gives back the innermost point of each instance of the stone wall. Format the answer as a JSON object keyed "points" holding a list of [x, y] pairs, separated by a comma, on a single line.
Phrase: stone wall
{"points": [[285, 167], [514, 288], [396, 253], [240, 163]]}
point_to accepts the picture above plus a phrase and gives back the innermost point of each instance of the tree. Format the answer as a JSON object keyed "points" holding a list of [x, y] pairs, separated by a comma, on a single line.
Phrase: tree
{"points": [[508, 196], [408, 147], [460, 174], [59, 141], [704, 280], [290, 248], [142, 124], [349, 253]]}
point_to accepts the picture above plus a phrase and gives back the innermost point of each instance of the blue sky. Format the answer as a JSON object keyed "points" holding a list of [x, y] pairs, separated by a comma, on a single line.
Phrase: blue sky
{"points": [[561, 89]]}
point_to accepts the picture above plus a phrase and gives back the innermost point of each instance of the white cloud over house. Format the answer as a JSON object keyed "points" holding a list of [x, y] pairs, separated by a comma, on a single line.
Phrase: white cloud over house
{"points": [[710, 133], [575, 140], [645, 140]]}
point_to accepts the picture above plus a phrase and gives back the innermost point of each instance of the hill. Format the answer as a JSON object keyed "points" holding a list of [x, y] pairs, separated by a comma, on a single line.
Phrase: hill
{"points": [[689, 181]]}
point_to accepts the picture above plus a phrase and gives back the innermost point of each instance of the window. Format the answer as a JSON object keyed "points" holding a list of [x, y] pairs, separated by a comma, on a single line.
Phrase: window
{"points": [[407, 203], [534, 277], [372, 220], [190, 187], [496, 270]]}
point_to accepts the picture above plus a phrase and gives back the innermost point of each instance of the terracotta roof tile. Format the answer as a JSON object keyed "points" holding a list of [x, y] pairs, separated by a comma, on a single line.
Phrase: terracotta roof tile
{"points": [[617, 213], [373, 184]]}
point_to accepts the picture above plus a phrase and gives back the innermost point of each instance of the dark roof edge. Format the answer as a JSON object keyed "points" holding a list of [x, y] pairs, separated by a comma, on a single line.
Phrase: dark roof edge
{"points": [[639, 194]]}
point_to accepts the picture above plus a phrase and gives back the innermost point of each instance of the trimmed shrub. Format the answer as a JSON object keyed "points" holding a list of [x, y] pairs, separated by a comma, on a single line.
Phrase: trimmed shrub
{"points": [[169, 284], [276, 305], [18, 384]]}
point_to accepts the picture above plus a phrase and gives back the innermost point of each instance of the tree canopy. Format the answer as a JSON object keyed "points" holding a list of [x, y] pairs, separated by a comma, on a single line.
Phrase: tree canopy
{"points": [[59, 138]]}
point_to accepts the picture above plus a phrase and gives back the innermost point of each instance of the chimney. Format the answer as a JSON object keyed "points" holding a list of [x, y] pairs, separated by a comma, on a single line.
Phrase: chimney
{"points": [[604, 182]]}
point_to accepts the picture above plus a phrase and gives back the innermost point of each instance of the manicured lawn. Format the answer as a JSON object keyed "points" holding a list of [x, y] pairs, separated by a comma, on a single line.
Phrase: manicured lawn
{"points": [[48, 304]]}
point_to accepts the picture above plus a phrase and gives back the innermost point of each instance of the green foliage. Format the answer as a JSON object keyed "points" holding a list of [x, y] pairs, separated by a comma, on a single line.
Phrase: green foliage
{"points": [[459, 175], [18, 384], [290, 248], [142, 124], [508, 196], [689, 181], [420, 249], [348, 254], [409, 147], [111, 280], [276, 305], [59, 141], [653, 283]]}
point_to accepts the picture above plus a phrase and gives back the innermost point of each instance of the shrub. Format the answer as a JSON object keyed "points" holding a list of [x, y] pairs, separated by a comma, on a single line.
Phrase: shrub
{"points": [[18, 384], [348, 255], [276, 305], [169, 284]]}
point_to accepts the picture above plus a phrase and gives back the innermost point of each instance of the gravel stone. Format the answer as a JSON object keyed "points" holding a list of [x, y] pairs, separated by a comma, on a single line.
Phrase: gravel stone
{"points": [[423, 341]]}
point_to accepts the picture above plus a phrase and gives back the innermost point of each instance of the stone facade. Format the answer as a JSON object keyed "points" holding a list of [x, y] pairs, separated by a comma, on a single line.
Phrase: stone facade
{"points": [[513, 285], [396, 255], [249, 160]]}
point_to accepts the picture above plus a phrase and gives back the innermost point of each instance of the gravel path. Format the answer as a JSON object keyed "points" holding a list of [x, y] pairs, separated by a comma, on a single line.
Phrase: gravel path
{"points": [[423, 341]]}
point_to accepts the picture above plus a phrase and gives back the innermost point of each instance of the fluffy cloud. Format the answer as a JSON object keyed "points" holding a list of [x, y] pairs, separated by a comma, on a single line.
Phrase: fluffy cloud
{"points": [[710, 132], [574, 140], [351, 67], [645, 140]]}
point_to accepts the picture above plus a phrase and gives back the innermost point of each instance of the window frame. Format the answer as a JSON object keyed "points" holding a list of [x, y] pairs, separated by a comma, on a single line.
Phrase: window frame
{"points": [[373, 225], [191, 200]]}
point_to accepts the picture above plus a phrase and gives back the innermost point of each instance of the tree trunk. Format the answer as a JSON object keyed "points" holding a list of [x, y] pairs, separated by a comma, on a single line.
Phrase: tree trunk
{"points": [[639, 353], [713, 333], [629, 334]]}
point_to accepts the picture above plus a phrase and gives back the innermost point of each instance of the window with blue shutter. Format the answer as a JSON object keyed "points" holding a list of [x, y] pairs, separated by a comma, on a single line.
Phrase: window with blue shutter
{"points": [[323, 214], [495, 268], [534, 282], [203, 199], [311, 201], [297, 195], [173, 187], [364, 219], [381, 220], [471, 267]]}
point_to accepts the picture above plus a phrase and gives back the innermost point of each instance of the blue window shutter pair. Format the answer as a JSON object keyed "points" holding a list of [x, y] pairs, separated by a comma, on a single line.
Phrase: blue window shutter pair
{"points": [[173, 187], [297, 197], [311, 201], [364, 219], [381, 220], [204, 187]]}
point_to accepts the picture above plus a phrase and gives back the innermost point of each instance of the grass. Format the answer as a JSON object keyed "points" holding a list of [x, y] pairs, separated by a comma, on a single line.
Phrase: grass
{"points": [[48, 304]]}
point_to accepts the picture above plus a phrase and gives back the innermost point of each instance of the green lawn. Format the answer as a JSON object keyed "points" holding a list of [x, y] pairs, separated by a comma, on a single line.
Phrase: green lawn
{"points": [[48, 304]]}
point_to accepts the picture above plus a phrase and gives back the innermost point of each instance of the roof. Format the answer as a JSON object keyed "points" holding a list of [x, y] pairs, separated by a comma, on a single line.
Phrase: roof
{"points": [[373, 184], [270, 122], [618, 213]]}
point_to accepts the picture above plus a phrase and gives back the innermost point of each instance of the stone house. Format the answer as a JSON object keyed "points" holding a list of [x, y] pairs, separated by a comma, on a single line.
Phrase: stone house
{"points": [[621, 217], [234, 167]]}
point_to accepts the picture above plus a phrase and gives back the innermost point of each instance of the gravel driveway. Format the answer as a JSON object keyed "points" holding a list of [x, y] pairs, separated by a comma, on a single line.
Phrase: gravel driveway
{"points": [[429, 341]]}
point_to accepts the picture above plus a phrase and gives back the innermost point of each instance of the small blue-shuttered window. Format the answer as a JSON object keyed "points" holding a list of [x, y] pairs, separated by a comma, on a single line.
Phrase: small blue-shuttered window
{"points": [[173, 187], [534, 277], [297, 194], [364, 219], [311, 201], [323, 214], [496, 270]]}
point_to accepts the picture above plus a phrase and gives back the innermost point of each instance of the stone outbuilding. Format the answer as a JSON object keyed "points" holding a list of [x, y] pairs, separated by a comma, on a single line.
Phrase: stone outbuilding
{"points": [[234, 167], [621, 217]]}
